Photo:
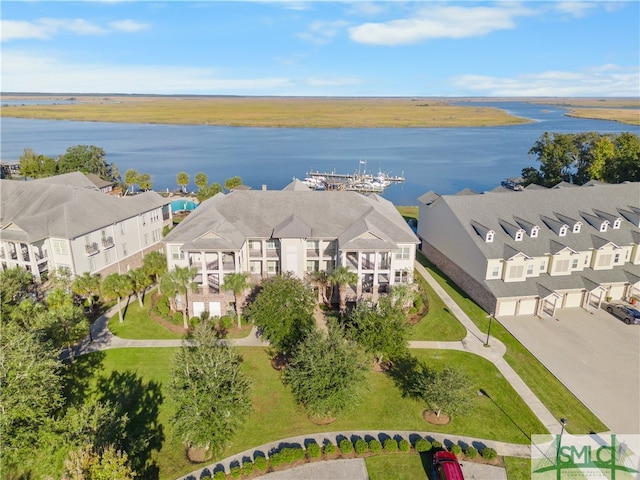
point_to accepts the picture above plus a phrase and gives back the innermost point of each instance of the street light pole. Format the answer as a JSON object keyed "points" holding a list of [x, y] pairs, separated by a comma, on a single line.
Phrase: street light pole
{"points": [[486, 344], [563, 422]]}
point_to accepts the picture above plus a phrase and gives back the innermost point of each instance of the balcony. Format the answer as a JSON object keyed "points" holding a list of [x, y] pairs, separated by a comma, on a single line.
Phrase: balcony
{"points": [[91, 248], [107, 242]]}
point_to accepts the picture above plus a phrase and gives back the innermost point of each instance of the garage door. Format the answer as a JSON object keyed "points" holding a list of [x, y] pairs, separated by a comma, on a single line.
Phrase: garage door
{"points": [[617, 291], [506, 308], [572, 299], [527, 306]]}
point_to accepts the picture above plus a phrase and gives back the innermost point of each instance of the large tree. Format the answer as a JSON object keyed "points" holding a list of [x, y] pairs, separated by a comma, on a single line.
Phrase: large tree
{"points": [[238, 284], [140, 281], [116, 286], [86, 286], [16, 284], [448, 390], [85, 159], [179, 282], [342, 277], [182, 179], [33, 165], [233, 182], [155, 264], [66, 322], [325, 373], [201, 180], [208, 192], [382, 330], [145, 182], [209, 390], [130, 178], [283, 311]]}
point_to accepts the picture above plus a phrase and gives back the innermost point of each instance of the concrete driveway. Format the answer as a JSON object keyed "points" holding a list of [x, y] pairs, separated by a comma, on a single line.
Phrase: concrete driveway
{"points": [[595, 355]]}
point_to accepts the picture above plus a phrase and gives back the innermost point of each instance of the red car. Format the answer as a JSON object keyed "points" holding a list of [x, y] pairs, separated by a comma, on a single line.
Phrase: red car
{"points": [[446, 466]]}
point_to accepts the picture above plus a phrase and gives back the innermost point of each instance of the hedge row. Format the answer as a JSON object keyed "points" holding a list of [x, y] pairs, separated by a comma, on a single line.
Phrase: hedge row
{"points": [[289, 455]]}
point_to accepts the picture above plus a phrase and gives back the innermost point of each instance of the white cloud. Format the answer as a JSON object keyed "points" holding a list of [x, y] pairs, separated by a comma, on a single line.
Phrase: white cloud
{"points": [[440, 22], [601, 81], [46, 28], [331, 81], [575, 9], [322, 33], [27, 72]]}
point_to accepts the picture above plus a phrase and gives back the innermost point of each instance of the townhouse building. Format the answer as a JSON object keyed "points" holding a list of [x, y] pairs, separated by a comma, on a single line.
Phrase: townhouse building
{"points": [[295, 230], [534, 251], [65, 222]]}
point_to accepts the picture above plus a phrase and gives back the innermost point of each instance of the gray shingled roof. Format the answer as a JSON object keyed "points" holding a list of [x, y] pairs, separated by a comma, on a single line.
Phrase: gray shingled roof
{"points": [[355, 219], [37, 209]]}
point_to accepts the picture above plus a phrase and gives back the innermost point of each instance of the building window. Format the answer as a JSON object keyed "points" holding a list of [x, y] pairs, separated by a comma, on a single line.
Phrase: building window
{"points": [[563, 231], [616, 224], [312, 265], [144, 219], [603, 226], [604, 260], [87, 240], [496, 271], [92, 264], [255, 267], [155, 215], [255, 245], [574, 264], [586, 260], [272, 244], [403, 253], [122, 229], [489, 237], [515, 271], [146, 239], [156, 235], [543, 266], [176, 253], [59, 247], [534, 232], [107, 257], [616, 259], [562, 266], [519, 235], [313, 244], [124, 249], [530, 269], [576, 227], [272, 266]]}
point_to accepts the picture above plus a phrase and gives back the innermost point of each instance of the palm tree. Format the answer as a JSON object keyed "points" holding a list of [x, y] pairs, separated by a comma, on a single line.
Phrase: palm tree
{"points": [[182, 179], [116, 286], [201, 180], [130, 178], [342, 276], [155, 264], [86, 286], [320, 279], [178, 282], [237, 283], [140, 280]]}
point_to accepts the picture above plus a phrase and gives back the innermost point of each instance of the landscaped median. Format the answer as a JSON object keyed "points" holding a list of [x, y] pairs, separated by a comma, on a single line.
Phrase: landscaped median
{"points": [[297, 451]]}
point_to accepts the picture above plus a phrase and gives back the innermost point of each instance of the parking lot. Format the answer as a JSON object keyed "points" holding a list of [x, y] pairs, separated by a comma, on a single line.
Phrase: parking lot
{"points": [[594, 354]]}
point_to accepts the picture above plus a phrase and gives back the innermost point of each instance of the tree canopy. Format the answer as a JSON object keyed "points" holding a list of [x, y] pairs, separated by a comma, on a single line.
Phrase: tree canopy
{"points": [[580, 157], [283, 311], [210, 391]]}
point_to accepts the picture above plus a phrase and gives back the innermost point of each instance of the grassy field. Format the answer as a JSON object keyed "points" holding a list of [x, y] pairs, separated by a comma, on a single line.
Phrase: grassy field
{"points": [[622, 115], [555, 396], [304, 112], [277, 416]]}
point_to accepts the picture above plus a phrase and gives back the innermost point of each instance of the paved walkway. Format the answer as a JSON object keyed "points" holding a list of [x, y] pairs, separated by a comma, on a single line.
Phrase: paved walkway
{"points": [[103, 339]]}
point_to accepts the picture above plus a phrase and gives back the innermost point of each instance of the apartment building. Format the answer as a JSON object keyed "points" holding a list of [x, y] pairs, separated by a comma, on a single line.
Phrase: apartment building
{"points": [[67, 222], [294, 230], [535, 251]]}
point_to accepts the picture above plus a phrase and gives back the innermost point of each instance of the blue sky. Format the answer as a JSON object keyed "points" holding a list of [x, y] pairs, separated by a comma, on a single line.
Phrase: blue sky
{"points": [[323, 48]]}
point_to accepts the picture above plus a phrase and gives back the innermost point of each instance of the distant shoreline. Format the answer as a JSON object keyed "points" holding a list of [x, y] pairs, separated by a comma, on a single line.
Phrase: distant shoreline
{"points": [[302, 112]]}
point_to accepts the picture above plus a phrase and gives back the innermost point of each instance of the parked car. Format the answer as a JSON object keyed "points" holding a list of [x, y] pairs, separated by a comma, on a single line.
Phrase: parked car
{"points": [[447, 466], [624, 312]]}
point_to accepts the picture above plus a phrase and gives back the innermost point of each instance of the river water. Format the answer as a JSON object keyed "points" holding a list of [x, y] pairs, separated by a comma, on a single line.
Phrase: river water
{"points": [[445, 160]]}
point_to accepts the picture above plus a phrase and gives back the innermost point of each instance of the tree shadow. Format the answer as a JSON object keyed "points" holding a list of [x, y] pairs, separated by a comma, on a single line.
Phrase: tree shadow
{"points": [[485, 394], [141, 402], [78, 376], [407, 372]]}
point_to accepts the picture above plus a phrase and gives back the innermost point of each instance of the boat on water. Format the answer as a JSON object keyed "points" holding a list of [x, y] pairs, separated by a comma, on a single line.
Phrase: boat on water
{"points": [[359, 181]]}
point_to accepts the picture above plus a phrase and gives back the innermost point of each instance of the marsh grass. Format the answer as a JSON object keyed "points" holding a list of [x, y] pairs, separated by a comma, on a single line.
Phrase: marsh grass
{"points": [[298, 112]]}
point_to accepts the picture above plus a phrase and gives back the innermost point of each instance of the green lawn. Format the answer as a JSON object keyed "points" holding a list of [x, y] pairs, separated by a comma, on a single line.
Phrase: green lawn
{"points": [[556, 397], [137, 324], [276, 416], [439, 324], [399, 466]]}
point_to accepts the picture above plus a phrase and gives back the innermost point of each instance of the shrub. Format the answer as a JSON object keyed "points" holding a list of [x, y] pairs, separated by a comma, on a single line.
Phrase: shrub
{"points": [[404, 445], [236, 472], [219, 475], [162, 307], [489, 453], [260, 463], [436, 444], [361, 446], [276, 459], [390, 445], [423, 445], [226, 321], [413, 310], [346, 446], [471, 452], [206, 477], [375, 446], [329, 448], [292, 454], [313, 450], [456, 449], [247, 468]]}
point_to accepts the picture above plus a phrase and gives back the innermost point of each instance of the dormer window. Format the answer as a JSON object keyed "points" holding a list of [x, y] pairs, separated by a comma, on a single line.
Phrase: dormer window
{"points": [[576, 227], [603, 226], [519, 235], [534, 232], [489, 237], [563, 231], [616, 224]]}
